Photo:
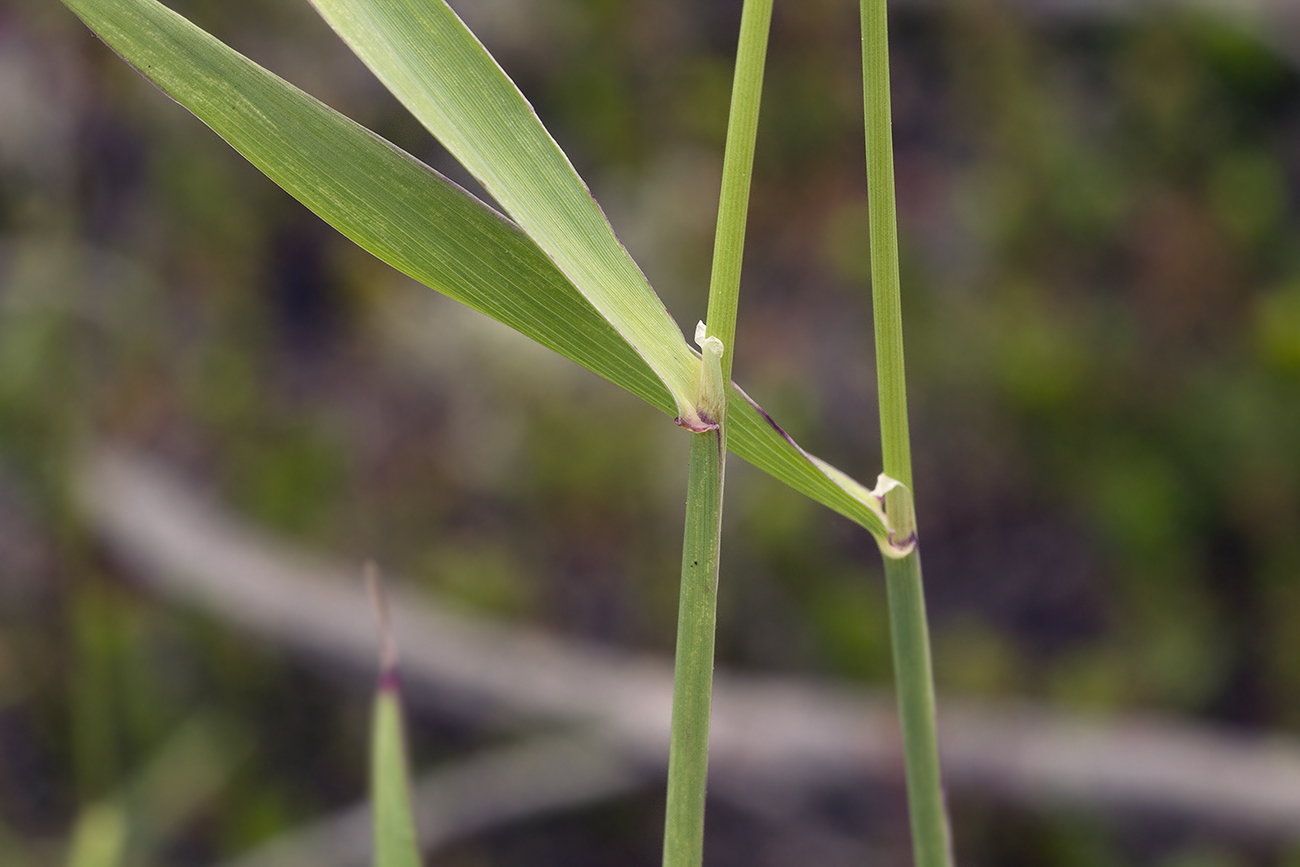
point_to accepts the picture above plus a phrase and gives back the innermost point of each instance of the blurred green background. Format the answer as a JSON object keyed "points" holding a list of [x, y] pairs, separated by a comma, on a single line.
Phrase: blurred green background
{"points": [[1100, 220]]}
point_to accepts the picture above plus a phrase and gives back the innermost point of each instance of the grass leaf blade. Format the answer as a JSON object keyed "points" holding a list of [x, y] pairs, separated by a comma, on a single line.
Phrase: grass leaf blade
{"points": [[431, 61], [420, 223], [390, 789], [396, 842], [382, 198]]}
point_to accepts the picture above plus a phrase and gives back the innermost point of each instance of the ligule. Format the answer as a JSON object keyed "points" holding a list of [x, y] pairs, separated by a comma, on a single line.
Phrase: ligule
{"points": [[712, 401]]}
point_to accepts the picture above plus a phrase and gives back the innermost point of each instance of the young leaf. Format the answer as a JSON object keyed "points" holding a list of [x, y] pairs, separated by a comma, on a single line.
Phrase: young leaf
{"points": [[414, 219], [390, 798], [395, 840]]}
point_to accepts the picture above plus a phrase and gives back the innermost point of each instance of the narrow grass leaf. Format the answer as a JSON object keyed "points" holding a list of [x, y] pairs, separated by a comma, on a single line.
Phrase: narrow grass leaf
{"points": [[390, 788], [382, 198], [439, 70], [395, 841], [423, 225]]}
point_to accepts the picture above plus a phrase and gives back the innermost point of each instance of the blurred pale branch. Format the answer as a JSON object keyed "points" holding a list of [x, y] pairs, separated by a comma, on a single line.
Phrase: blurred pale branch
{"points": [[781, 733], [524, 780]]}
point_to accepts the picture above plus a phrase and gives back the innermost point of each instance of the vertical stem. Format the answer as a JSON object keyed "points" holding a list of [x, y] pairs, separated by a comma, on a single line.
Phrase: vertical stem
{"points": [[737, 166], [914, 685], [688, 755], [910, 636], [885, 293]]}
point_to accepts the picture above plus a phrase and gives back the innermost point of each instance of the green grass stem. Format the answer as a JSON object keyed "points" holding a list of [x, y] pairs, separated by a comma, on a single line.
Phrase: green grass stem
{"points": [[885, 290], [688, 754], [688, 757], [737, 167], [914, 685], [910, 637]]}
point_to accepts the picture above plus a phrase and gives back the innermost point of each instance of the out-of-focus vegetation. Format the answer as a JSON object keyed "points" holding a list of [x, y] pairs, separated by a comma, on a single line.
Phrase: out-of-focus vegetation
{"points": [[1101, 236]]}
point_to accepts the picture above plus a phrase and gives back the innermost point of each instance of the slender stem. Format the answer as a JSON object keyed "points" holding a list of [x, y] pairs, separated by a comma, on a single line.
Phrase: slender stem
{"points": [[910, 636], [885, 292], [737, 167], [688, 755], [915, 687]]}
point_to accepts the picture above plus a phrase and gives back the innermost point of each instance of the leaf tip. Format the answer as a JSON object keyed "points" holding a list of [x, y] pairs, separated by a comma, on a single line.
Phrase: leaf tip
{"points": [[388, 676]]}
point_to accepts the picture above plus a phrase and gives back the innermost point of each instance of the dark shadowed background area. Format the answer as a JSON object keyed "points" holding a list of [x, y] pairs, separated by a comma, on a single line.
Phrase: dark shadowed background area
{"points": [[1100, 224]]}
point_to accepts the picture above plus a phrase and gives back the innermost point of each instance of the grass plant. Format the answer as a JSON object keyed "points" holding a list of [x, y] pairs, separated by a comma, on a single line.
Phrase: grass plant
{"points": [[552, 268]]}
